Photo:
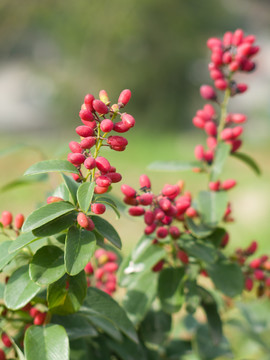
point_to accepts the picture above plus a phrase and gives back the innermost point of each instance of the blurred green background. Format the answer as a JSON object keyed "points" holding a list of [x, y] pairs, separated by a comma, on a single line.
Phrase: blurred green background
{"points": [[54, 52]]}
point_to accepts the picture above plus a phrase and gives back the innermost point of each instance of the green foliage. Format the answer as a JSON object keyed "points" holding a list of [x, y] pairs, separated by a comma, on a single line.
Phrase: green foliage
{"points": [[46, 343], [47, 166], [107, 230]]}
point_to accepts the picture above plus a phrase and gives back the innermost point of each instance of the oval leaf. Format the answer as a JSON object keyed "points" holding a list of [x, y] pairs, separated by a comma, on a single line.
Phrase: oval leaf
{"points": [[20, 289], [72, 187], [52, 166], [107, 230], [79, 248], [57, 225], [227, 277], [85, 194], [212, 206], [46, 214], [48, 342], [174, 165], [6, 257], [47, 265], [171, 289], [22, 240], [66, 295]]}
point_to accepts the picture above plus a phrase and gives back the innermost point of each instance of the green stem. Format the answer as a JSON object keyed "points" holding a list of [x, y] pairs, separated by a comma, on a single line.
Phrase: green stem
{"points": [[223, 113]]}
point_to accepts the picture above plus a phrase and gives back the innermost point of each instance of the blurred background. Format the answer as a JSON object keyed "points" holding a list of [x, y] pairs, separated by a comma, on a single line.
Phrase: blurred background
{"points": [[54, 52]]}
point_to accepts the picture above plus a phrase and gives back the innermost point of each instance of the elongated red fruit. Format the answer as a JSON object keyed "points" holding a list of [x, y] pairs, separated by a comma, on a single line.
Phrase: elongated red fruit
{"points": [[124, 97]]}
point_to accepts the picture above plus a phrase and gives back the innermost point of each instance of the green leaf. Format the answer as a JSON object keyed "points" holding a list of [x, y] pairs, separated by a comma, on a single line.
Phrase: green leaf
{"points": [[108, 201], [72, 187], [21, 241], [66, 295], [227, 277], [6, 257], [107, 230], [192, 297], [216, 237], [47, 265], [212, 206], [106, 325], [248, 161], [140, 295], [176, 348], [23, 181], [202, 250], [79, 248], [18, 351], [210, 307], [98, 302], [155, 327], [207, 349], [62, 192], [52, 166], [46, 214], [171, 289], [48, 342], [20, 289], [221, 153], [127, 349], [76, 325], [57, 225], [85, 194], [198, 230], [174, 165]]}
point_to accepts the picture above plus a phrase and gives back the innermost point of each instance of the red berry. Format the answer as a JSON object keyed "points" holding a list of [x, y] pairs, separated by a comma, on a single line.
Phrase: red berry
{"points": [[209, 156], [165, 204], [100, 189], [82, 220], [207, 92], [124, 97], [88, 100], [198, 122], [255, 264], [90, 225], [75, 147], [89, 270], [106, 125], [237, 37], [238, 118], [213, 42], [40, 318], [103, 181], [52, 199], [209, 110], [90, 163], [128, 191], [182, 255], [214, 185], [149, 217], [145, 182], [171, 191], [117, 141], [19, 220], [248, 284], [33, 312], [146, 199], [110, 267], [120, 127], [226, 134], [99, 273], [114, 176], [103, 164], [199, 152], [211, 142], [210, 128], [86, 115], [88, 142], [150, 229], [76, 158], [158, 267], [100, 107], [221, 84], [228, 184], [136, 211], [227, 38], [98, 208], [174, 232], [241, 88], [6, 340], [252, 248], [225, 240], [6, 218], [2, 355], [259, 274], [191, 212], [162, 232], [237, 131], [128, 120], [84, 131]]}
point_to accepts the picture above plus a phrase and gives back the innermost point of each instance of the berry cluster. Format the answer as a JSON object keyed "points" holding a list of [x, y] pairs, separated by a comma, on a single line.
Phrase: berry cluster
{"points": [[231, 54], [7, 220], [257, 271], [98, 118], [101, 272], [38, 318]]}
